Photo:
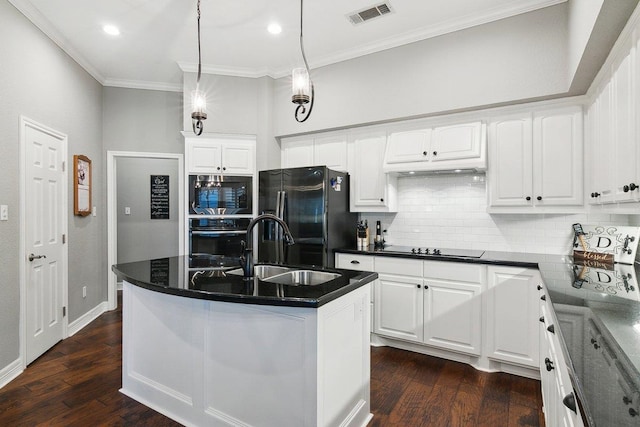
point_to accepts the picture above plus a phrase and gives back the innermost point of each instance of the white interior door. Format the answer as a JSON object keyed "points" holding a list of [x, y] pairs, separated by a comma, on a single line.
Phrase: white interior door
{"points": [[45, 202]]}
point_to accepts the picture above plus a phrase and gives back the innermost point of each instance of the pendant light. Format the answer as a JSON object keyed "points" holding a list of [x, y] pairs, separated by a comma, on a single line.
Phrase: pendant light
{"points": [[301, 84], [198, 98]]}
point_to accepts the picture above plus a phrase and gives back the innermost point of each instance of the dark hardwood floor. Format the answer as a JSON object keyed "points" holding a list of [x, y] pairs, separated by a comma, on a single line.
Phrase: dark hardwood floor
{"points": [[76, 384]]}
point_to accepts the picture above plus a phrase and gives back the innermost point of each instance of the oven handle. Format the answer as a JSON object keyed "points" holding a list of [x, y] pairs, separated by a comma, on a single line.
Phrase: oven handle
{"points": [[201, 233]]}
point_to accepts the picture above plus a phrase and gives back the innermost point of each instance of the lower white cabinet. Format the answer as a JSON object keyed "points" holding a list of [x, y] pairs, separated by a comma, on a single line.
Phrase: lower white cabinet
{"points": [[453, 315], [482, 313], [512, 315], [398, 305], [558, 397]]}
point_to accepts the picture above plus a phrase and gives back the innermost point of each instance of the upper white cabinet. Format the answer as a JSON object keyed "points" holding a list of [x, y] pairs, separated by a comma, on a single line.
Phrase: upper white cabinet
{"points": [[613, 140], [371, 189], [220, 155], [536, 162], [459, 146], [513, 315], [327, 150]]}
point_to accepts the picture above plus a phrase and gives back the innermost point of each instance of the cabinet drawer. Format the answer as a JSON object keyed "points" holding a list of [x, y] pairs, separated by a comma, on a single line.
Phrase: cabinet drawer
{"points": [[354, 262], [455, 271], [399, 266]]}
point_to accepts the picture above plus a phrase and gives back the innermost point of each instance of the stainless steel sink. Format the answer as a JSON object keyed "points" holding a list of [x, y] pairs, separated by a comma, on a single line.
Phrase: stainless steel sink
{"points": [[302, 277], [262, 271]]}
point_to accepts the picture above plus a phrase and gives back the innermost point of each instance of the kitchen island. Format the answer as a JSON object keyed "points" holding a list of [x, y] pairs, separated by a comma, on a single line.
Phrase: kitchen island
{"points": [[206, 347]]}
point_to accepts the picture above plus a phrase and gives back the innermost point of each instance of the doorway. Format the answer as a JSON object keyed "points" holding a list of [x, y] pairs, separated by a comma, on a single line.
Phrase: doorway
{"points": [[43, 227], [136, 168]]}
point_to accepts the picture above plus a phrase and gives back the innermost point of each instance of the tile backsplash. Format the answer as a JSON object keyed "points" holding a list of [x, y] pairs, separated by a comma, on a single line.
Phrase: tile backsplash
{"points": [[450, 211]]}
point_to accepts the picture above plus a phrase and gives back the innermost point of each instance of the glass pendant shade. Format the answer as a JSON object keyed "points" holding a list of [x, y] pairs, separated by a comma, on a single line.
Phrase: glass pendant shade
{"points": [[300, 86], [198, 104]]}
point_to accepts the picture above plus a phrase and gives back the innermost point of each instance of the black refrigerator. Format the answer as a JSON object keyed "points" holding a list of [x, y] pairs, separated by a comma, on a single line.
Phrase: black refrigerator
{"points": [[314, 202]]}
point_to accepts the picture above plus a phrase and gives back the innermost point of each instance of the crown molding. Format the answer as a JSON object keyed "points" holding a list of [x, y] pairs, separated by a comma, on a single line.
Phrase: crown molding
{"points": [[138, 84], [191, 67]]}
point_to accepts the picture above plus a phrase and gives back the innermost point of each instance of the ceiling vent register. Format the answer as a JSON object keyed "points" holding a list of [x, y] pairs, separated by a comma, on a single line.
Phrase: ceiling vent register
{"points": [[370, 13]]}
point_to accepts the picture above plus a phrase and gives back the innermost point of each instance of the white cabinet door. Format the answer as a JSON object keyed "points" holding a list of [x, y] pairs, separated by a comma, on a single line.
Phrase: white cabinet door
{"points": [[203, 157], [398, 307], [331, 151], [537, 161], [372, 189], [238, 158], [625, 172], [452, 315], [510, 159], [601, 149], [297, 153], [456, 142], [557, 157], [512, 312], [221, 155], [408, 146]]}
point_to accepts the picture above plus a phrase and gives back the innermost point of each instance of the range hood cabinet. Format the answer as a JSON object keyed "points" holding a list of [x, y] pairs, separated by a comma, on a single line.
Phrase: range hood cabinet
{"points": [[445, 149]]}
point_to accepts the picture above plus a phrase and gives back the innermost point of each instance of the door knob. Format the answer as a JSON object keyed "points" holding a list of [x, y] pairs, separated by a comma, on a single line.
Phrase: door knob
{"points": [[32, 257]]}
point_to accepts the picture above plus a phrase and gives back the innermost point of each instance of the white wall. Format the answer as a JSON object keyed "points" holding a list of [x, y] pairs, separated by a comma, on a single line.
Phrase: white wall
{"points": [[450, 211], [38, 80]]}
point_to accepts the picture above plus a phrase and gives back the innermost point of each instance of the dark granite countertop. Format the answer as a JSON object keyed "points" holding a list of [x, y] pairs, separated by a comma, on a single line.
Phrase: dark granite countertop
{"points": [[598, 312], [212, 281]]}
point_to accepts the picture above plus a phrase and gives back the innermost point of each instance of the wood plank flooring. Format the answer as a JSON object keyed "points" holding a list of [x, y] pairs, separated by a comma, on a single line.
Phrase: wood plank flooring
{"points": [[76, 384]]}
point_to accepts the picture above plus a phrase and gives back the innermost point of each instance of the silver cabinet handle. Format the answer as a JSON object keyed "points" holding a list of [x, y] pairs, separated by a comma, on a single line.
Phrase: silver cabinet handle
{"points": [[32, 257]]}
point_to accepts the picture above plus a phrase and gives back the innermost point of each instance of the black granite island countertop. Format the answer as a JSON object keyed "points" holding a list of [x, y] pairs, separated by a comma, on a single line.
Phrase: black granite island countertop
{"points": [[598, 312], [211, 281]]}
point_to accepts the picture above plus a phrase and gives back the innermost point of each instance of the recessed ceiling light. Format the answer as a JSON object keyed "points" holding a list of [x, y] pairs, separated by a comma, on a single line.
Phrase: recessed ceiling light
{"points": [[112, 30], [274, 28]]}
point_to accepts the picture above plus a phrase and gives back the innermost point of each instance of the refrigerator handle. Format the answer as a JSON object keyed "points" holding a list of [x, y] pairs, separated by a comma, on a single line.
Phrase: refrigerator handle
{"points": [[278, 204], [281, 205]]}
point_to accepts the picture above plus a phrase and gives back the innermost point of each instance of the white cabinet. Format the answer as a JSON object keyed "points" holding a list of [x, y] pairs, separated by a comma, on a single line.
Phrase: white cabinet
{"points": [[452, 306], [459, 146], [512, 315], [327, 150], [372, 190], [296, 153], [220, 155], [398, 299], [355, 262], [557, 390], [536, 162], [430, 302]]}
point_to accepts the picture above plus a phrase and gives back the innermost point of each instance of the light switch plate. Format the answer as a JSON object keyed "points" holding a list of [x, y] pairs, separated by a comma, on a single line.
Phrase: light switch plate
{"points": [[94, 211], [127, 210], [4, 213]]}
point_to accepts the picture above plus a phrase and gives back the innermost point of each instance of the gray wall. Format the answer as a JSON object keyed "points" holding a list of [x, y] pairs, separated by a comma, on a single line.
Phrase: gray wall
{"points": [[513, 59], [38, 80], [140, 237], [142, 120]]}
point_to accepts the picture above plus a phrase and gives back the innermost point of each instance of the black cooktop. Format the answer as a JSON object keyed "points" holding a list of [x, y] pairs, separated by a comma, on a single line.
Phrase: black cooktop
{"points": [[431, 252]]}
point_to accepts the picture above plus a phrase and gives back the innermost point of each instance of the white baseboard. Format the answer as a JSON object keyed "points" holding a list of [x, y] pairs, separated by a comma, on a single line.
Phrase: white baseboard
{"points": [[75, 326], [10, 372]]}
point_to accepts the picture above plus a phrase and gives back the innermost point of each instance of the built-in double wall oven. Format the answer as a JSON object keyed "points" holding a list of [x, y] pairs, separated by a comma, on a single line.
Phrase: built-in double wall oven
{"points": [[220, 209]]}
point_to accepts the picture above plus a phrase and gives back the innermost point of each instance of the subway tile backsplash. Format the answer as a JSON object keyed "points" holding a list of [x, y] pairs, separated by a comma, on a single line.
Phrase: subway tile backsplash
{"points": [[450, 211]]}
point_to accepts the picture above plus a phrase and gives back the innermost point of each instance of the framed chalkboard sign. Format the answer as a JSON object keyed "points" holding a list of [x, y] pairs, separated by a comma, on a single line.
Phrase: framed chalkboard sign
{"points": [[159, 197]]}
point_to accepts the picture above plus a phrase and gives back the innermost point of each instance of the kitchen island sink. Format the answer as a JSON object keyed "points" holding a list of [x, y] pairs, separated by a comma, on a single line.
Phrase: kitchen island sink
{"points": [[209, 348]]}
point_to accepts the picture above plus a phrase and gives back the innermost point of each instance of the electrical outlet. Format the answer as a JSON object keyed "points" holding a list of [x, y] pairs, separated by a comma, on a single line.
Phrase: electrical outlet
{"points": [[84, 292], [4, 213]]}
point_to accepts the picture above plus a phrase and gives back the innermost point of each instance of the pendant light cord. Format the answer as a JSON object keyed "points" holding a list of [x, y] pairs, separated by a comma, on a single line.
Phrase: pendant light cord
{"points": [[199, 52], [301, 113]]}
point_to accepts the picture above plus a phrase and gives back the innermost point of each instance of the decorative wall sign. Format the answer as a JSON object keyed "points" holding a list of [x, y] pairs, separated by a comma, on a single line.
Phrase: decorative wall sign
{"points": [[620, 241], [81, 185], [159, 197]]}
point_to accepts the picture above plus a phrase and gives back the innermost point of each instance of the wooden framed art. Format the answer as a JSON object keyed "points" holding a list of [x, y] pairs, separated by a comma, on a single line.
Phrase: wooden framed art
{"points": [[81, 185]]}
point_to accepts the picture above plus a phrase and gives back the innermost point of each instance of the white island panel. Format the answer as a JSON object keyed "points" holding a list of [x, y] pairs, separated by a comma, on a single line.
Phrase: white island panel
{"points": [[214, 363]]}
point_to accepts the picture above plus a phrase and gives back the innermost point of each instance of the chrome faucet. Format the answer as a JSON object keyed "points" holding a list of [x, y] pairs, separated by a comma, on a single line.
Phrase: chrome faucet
{"points": [[246, 259]]}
